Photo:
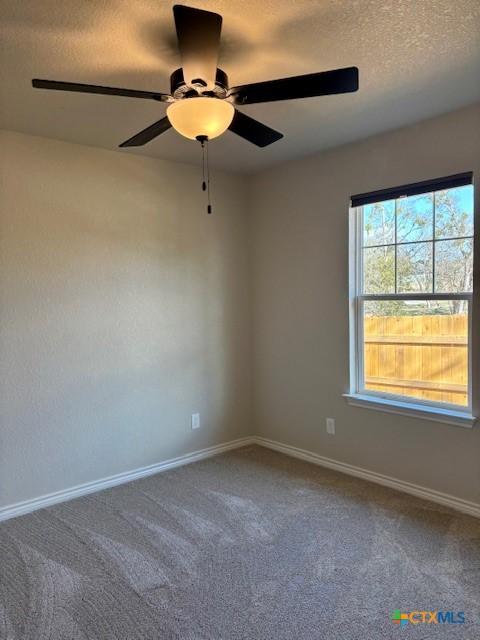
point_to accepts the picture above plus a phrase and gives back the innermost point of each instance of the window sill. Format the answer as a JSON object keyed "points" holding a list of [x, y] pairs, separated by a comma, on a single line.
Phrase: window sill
{"points": [[448, 416]]}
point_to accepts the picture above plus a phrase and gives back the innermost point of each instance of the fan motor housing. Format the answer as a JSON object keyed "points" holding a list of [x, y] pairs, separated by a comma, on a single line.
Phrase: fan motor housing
{"points": [[179, 89]]}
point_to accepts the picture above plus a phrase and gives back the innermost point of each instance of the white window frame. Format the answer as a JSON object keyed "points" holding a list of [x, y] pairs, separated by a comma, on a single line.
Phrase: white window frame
{"points": [[384, 401]]}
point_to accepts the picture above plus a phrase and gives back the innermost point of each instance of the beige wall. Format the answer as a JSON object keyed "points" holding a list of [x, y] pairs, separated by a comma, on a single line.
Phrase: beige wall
{"points": [[123, 309], [300, 305]]}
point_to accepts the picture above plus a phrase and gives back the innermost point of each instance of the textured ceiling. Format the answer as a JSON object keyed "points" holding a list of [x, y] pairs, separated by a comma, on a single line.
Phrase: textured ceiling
{"points": [[417, 58]]}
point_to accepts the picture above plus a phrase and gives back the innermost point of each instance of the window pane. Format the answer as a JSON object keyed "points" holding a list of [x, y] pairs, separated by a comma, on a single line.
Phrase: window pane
{"points": [[454, 212], [417, 349], [454, 266], [379, 223], [414, 268], [415, 218], [379, 270]]}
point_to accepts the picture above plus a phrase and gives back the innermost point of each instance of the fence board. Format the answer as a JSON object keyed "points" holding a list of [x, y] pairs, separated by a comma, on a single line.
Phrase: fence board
{"points": [[419, 356]]}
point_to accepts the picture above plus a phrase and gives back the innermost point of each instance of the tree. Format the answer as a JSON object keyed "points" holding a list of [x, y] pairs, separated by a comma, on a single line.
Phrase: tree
{"points": [[418, 262]]}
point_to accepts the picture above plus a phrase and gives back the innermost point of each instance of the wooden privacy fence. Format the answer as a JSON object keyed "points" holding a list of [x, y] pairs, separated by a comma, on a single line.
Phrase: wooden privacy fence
{"points": [[420, 356]]}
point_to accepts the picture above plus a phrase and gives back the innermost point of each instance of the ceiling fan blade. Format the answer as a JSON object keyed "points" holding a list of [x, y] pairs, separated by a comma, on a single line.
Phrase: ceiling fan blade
{"points": [[253, 130], [93, 88], [148, 134], [313, 84], [198, 34]]}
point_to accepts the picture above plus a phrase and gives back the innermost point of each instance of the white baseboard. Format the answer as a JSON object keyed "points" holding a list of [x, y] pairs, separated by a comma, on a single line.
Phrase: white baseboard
{"points": [[20, 508], [470, 508]]}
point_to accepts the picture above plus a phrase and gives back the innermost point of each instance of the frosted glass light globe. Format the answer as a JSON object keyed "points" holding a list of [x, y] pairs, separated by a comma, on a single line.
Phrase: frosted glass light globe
{"points": [[202, 116]]}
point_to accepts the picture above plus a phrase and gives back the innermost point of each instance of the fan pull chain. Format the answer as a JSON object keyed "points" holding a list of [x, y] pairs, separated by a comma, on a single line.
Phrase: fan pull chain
{"points": [[209, 202], [204, 184], [205, 170]]}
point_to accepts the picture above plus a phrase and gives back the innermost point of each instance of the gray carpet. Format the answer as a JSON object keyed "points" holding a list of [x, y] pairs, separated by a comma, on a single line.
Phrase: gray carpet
{"points": [[251, 544]]}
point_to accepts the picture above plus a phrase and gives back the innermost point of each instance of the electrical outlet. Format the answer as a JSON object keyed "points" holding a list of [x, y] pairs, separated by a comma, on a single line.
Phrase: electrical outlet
{"points": [[195, 421], [331, 426]]}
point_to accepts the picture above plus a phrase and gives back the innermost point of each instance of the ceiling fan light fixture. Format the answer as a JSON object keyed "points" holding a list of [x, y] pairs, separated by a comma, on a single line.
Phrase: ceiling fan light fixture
{"points": [[211, 109], [200, 116]]}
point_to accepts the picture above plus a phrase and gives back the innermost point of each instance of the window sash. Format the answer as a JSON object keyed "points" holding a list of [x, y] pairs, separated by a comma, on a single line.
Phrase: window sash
{"points": [[359, 254], [360, 387], [357, 339]]}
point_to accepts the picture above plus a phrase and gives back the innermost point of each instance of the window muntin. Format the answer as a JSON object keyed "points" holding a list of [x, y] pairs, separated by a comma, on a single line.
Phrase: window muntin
{"points": [[413, 297]]}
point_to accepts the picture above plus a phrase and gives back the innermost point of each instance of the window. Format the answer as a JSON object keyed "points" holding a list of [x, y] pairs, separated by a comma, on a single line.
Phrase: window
{"points": [[411, 294]]}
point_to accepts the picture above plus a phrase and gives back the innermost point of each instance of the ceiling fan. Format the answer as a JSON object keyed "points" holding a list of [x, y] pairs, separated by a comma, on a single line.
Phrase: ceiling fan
{"points": [[201, 105]]}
